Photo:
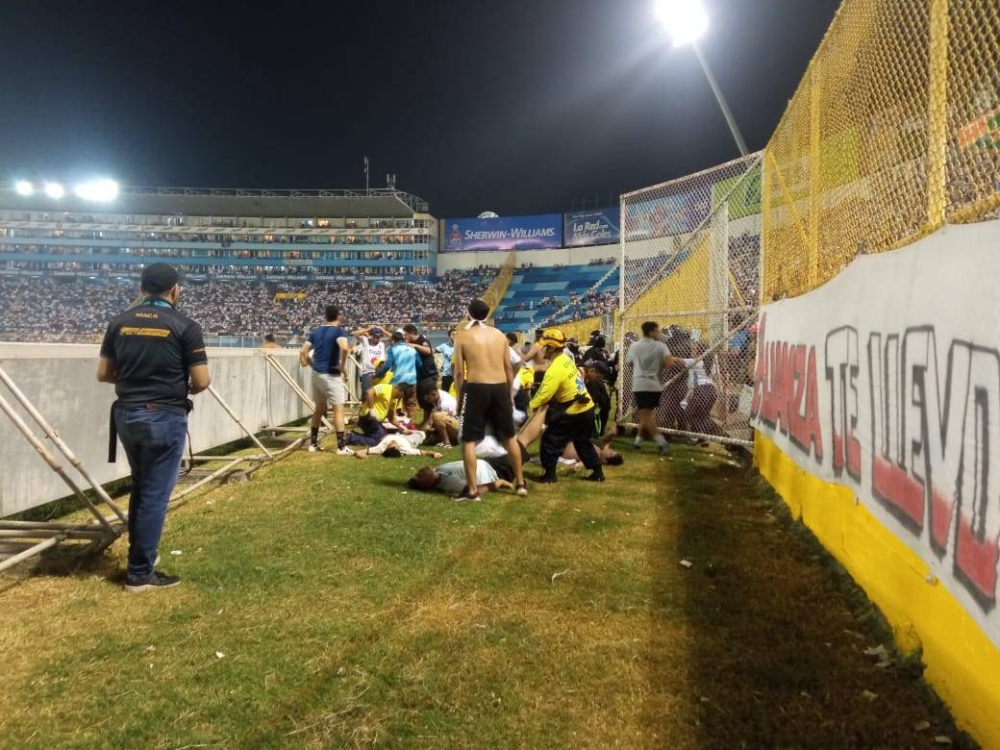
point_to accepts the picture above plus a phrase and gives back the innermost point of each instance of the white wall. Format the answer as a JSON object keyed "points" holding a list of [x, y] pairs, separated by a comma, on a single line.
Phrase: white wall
{"points": [[60, 381]]}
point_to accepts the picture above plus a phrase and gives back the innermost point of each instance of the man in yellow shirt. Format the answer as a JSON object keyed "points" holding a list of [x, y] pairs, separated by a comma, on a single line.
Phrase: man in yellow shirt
{"points": [[371, 418], [570, 416]]}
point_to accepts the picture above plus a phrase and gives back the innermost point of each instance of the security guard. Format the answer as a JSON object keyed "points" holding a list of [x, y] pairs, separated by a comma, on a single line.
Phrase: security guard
{"points": [[150, 352], [570, 414]]}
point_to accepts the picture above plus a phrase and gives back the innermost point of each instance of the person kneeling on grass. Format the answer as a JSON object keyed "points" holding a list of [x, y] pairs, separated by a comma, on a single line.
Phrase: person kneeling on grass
{"points": [[402, 444], [450, 478]]}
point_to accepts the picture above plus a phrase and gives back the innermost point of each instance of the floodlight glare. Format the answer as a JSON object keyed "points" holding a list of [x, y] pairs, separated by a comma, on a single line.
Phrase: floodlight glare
{"points": [[54, 190], [685, 20], [23, 187], [102, 191]]}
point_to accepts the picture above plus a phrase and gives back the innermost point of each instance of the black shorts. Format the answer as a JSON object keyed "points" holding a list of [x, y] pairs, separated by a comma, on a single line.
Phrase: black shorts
{"points": [[647, 399], [486, 404]]}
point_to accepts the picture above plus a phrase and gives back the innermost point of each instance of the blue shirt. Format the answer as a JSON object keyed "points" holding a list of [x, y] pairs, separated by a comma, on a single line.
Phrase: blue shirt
{"points": [[402, 360], [447, 351], [326, 350]]}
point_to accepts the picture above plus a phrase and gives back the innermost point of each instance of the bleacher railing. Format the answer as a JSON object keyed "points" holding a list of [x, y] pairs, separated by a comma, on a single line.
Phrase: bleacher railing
{"points": [[893, 132]]}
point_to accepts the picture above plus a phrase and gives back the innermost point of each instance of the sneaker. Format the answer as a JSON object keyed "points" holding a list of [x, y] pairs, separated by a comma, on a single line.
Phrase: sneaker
{"points": [[665, 449], [315, 448], [464, 495], [522, 490], [596, 476], [548, 478], [345, 451], [155, 580]]}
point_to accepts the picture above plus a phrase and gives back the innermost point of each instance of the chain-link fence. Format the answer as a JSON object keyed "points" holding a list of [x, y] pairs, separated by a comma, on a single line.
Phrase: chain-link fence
{"points": [[894, 131], [690, 261]]}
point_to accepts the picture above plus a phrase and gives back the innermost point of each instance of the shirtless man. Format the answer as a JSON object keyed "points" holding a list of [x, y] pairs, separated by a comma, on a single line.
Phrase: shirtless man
{"points": [[483, 380]]}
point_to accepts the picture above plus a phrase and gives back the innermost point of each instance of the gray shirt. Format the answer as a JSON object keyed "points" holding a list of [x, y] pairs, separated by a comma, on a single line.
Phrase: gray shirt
{"points": [[453, 475], [646, 357]]}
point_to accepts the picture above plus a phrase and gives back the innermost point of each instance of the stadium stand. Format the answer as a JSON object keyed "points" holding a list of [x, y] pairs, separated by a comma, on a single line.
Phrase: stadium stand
{"points": [[540, 293], [56, 309]]}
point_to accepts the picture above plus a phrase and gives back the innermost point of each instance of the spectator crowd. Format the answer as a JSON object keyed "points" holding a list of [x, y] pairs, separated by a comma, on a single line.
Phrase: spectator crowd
{"points": [[45, 308]]}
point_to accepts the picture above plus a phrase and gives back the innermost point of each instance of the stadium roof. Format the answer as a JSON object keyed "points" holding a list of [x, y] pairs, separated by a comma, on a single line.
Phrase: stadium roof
{"points": [[375, 203]]}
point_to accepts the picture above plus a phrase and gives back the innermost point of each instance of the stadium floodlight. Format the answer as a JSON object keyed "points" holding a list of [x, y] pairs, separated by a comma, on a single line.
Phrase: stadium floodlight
{"points": [[101, 191], [23, 187], [54, 190], [686, 22]]}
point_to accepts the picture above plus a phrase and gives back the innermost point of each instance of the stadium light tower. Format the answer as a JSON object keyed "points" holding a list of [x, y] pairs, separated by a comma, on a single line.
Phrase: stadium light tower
{"points": [[24, 188], [686, 21]]}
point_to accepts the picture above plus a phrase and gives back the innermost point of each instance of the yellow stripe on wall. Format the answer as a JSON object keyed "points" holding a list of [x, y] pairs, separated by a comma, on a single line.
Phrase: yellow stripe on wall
{"points": [[963, 665]]}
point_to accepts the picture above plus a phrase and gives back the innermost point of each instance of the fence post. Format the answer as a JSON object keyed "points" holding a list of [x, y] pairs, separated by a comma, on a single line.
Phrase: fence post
{"points": [[815, 171], [937, 117]]}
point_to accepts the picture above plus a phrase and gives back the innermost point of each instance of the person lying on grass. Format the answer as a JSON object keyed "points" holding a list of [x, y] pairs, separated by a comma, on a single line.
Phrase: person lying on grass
{"points": [[403, 444], [533, 428], [450, 478]]}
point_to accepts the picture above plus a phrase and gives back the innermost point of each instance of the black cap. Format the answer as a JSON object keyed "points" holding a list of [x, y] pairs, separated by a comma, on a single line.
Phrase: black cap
{"points": [[159, 278]]}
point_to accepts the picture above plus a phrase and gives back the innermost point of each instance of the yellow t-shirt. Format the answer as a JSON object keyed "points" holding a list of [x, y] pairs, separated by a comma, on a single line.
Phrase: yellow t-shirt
{"points": [[383, 403], [563, 384]]}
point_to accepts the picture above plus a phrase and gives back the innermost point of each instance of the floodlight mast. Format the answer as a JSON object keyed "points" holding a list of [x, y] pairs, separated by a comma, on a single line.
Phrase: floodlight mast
{"points": [[686, 21]]}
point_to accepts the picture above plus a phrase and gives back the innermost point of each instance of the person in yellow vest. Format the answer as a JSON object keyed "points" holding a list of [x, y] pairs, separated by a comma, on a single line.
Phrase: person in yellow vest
{"points": [[370, 418], [570, 414]]}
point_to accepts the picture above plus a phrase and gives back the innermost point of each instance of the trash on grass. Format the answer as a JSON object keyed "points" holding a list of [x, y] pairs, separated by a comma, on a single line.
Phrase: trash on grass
{"points": [[687, 563]]}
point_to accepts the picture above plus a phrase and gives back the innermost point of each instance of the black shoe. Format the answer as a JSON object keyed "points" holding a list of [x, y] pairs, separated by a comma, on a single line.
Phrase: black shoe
{"points": [[595, 476], [548, 478], [464, 495], [154, 580]]}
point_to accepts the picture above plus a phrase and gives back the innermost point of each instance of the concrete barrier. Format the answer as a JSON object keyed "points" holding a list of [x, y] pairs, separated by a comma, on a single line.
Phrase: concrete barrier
{"points": [[60, 380]]}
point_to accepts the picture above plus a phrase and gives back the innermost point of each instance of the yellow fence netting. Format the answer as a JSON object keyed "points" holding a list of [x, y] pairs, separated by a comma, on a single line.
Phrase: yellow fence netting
{"points": [[893, 132]]}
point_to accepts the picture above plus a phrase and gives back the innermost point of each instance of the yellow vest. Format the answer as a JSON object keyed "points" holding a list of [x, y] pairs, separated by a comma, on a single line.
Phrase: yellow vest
{"points": [[563, 384]]}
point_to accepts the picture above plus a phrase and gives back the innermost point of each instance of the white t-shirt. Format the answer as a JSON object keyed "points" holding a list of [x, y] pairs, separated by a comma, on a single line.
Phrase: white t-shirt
{"points": [[515, 358], [409, 445], [453, 475], [701, 377], [646, 357], [448, 404], [489, 447], [370, 354]]}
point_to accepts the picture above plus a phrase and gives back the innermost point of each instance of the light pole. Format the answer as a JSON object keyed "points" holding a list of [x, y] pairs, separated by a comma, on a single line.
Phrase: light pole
{"points": [[686, 22]]}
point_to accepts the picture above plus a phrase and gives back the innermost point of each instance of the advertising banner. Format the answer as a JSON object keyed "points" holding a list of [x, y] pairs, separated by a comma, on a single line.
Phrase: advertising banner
{"points": [[505, 233], [887, 380], [667, 215], [601, 227], [743, 192]]}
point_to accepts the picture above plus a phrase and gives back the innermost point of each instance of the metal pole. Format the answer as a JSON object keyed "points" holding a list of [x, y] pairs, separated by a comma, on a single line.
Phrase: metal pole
{"points": [[295, 387], [60, 444], [730, 120], [231, 413], [37, 444], [30, 552]]}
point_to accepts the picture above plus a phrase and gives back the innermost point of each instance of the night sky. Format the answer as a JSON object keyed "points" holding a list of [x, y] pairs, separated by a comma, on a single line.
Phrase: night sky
{"points": [[520, 106]]}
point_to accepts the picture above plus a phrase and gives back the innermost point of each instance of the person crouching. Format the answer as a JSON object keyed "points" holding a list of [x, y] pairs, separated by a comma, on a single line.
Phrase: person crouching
{"points": [[570, 416]]}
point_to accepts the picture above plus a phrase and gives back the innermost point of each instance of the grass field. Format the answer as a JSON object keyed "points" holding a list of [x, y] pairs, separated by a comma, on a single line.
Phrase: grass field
{"points": [[323, 605]]}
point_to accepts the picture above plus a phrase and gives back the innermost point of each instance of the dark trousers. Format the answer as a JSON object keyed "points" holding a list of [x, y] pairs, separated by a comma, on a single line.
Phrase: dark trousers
{"points": [[372, 430], [700, 408], [671, 412], [446, 381], [576, 429], [154, 444]]}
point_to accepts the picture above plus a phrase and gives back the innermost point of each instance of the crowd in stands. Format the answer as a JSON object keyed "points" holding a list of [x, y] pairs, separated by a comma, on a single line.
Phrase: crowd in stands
{"points": [[67, 310]]}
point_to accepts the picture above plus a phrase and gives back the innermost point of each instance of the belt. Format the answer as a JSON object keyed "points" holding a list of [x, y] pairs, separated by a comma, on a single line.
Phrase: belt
{"points": [[113, 429]]}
